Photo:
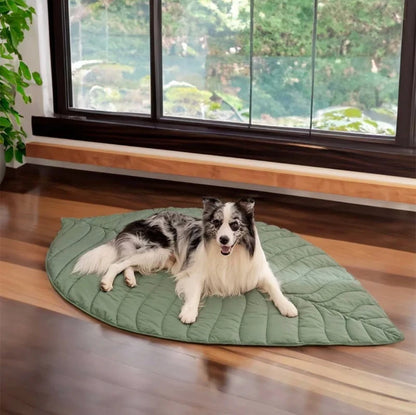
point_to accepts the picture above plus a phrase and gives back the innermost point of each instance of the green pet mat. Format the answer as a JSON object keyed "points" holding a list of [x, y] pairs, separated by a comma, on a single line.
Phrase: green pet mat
{"points": [[334, 309]]}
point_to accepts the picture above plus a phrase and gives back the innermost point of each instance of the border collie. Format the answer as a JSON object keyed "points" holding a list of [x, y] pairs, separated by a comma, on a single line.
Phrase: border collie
{"points": [[218, 255]]}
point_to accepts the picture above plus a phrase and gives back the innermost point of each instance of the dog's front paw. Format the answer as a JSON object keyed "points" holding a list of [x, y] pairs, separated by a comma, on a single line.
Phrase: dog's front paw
{"points": [[129, 277], [130, 280], [287, 308], [188, 315], [106, 286], [131, 283]]}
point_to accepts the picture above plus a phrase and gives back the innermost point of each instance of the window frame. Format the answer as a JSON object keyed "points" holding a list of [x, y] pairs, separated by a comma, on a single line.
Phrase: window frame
{"points": [[350, 151]]}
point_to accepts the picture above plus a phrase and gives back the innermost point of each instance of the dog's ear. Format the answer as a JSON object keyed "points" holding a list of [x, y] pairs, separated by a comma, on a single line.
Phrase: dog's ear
{"points": [[211, 203], [247, 205]]}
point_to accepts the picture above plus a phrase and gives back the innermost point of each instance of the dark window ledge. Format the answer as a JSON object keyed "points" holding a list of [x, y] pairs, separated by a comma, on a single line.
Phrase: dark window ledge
{"points": [[378, 157]]}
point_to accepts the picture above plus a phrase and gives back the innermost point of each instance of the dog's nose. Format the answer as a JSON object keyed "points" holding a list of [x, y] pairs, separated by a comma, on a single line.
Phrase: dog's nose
{"points": [[224, 240]]}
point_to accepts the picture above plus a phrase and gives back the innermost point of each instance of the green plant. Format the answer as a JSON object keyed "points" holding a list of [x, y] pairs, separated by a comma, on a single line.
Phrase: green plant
{"points": [[351, 120], [190, 101], [15, 75]]}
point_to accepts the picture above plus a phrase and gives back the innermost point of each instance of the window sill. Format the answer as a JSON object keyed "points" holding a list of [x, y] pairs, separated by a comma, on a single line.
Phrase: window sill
{"points": [[334, 153]]}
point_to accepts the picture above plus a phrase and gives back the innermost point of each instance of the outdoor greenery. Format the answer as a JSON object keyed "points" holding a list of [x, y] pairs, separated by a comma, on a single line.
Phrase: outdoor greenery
{"points": [[15, 76], [208, 58]]}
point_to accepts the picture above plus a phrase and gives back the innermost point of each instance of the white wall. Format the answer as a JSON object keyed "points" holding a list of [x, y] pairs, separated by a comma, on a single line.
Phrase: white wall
{"points": [[36, 53]]}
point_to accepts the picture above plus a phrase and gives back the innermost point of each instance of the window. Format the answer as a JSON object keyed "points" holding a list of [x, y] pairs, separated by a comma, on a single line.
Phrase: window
{"points": [[110, 55], [240, 77]]}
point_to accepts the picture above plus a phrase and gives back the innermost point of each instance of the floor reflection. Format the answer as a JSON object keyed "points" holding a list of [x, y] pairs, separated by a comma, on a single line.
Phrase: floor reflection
{"points": [[216, 374]]}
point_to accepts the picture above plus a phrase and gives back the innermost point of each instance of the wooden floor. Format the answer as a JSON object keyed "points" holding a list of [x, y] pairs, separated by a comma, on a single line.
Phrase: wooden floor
{"points": [[57, 360]]}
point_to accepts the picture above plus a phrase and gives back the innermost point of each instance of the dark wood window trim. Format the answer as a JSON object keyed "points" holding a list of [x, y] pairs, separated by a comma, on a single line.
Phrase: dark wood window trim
{"points": [[324, 149]]}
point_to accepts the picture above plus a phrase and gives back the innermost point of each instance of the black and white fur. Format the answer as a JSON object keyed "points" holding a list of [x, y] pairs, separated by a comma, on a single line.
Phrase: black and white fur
{"points": [[218, 255]]}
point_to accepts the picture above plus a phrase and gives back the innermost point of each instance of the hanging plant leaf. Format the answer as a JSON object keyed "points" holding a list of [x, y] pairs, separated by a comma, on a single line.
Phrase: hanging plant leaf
{"points": [[23, 68], [37, 78]]}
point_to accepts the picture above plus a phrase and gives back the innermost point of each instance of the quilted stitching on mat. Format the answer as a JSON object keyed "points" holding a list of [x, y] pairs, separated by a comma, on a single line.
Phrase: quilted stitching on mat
{"points": [[333, 306]]}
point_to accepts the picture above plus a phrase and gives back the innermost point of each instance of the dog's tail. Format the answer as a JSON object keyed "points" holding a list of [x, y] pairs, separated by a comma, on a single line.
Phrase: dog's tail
{"points": [[98, 260]]}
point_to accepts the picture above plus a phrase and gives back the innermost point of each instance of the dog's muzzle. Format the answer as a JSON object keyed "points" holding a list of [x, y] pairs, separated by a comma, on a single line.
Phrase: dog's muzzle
{"points": [[226, 250]]}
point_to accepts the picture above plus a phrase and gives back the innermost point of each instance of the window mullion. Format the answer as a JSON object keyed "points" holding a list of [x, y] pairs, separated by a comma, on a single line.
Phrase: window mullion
{"points": [[251, 61], [406, 119], [156, 77], [313, 61]]}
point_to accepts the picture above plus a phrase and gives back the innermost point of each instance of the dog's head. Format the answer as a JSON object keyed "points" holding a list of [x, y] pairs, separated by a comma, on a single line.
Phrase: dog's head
{"points": [[229, 224]]}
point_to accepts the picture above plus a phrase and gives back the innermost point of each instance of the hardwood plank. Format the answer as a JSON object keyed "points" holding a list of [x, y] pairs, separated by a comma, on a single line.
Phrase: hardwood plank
{"points": [[31, 286], [268, 174], [392, 261], [38, 219], [362, 378], [23, 253], [54, 208]]}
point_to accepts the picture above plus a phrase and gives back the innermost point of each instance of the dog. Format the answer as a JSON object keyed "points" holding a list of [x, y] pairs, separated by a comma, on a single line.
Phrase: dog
{"points": [[220, 255]]}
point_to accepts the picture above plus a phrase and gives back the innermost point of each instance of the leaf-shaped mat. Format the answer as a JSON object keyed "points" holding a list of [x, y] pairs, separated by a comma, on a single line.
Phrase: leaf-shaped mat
{"points": [[333, 307]]}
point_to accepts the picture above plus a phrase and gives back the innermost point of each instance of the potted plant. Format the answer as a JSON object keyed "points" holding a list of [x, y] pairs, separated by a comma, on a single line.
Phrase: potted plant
{"points": [[15, 77]]}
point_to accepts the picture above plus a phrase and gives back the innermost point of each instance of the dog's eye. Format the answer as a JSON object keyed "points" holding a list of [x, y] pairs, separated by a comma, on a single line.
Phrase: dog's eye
{"points": [[234, 225], [216, 223]]}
